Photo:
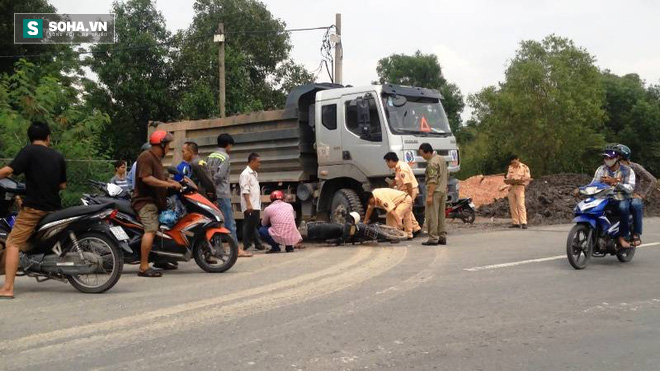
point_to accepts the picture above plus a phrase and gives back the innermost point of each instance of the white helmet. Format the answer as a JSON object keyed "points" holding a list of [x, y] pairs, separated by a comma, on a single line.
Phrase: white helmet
{"points": [[355, 216], [114, 190]]}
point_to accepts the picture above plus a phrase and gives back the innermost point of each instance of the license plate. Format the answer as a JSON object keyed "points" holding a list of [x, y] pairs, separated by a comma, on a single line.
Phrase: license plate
{"points": [[119, 233], [472, 205]]}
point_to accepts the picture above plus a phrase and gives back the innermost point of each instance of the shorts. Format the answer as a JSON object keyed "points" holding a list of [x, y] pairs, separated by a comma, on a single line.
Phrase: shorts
{"points": [[26, 222], [149, 218]]}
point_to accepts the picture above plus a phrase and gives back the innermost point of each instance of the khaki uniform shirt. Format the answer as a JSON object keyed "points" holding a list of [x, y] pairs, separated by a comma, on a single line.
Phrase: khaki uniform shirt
{"points": [[404, 175], [388, 198], [436, 173], [519, 173]]}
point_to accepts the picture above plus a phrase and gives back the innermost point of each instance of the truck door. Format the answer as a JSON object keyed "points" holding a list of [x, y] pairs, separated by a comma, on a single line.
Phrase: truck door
{"points": [[364, 139], [328, 138]]}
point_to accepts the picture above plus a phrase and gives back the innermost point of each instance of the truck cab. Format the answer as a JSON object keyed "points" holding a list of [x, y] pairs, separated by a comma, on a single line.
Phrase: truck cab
{"points": [[356, 126]]}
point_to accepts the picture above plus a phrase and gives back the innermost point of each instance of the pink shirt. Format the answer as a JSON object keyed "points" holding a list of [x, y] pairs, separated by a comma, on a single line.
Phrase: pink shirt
{"points": [[282, 220]]}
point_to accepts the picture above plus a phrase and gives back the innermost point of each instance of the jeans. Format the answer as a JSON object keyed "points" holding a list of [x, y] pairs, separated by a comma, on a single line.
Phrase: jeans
{"points": [[224, 204], [636, 207], [265, 236], [624, 214]]}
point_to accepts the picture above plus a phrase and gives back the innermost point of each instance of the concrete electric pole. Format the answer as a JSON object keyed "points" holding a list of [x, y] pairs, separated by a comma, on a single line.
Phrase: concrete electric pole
{"points": [[220, 38], [339, 52]]}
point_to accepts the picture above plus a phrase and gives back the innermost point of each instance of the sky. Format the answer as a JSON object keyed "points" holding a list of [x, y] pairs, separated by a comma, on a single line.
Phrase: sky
{"points": [[473, 39]]}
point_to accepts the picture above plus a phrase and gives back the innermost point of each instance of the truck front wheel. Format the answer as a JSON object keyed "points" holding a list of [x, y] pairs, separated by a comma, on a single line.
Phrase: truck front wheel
{"points": [[343, 202]]}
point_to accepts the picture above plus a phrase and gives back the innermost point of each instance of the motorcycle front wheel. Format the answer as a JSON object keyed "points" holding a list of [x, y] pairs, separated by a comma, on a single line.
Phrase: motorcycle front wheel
{"points": [[112, 263], [578, 246], [468, 216], [226, 253]]}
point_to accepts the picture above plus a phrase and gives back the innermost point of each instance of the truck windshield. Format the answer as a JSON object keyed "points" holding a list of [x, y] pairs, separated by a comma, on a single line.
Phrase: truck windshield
{"points": [[416, 115]]}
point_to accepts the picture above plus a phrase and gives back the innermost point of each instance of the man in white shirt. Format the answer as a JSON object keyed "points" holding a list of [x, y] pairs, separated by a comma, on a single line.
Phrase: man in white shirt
{"points": [[251, 202]]}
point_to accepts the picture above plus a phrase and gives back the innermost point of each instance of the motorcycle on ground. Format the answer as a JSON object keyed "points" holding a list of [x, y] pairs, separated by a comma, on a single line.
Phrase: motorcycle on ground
{"points": [[76, 244], [596, 232], [199, 233]]}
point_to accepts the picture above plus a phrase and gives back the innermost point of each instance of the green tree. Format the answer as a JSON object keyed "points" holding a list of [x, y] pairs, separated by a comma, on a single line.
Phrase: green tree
{"points": [[423, 70], [549, 110], [633, 117], [258, 69], [135, 76]]}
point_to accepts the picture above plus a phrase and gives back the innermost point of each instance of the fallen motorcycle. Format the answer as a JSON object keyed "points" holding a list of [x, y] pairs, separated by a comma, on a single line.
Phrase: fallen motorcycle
{"points": [[76, 244]]}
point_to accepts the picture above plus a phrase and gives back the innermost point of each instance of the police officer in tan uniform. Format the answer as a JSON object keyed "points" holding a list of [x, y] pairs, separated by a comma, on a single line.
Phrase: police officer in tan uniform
{"points": [[436, 195], [517, 177], [404, 180]]}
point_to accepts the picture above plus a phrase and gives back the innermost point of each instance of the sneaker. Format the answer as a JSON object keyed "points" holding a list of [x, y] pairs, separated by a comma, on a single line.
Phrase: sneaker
{"points": [[273, 251], [289, 249]]}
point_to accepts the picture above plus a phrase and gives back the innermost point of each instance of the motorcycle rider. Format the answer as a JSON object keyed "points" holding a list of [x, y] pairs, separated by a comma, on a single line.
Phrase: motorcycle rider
{"points": [[404, 180], [620, 176], [150, 193], [636, 203], [197, 170], [45, 177]]}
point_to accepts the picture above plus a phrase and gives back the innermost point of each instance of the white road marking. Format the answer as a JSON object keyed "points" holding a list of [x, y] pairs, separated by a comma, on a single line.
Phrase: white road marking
{"points": [[541, 260]]}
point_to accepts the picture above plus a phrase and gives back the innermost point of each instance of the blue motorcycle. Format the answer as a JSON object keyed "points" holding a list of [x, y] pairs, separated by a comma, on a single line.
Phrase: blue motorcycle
{"points": [[596, 232]]}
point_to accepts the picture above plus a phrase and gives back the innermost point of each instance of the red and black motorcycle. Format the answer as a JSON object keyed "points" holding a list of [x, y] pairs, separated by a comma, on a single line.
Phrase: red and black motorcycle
{"points": [[198, 233], [462, 209]]}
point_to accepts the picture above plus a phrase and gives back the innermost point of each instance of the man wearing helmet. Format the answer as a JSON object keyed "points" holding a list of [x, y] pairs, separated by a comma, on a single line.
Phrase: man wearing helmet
{"points": [[149, 196], [622, 178], [278, 224], [644, 185]]}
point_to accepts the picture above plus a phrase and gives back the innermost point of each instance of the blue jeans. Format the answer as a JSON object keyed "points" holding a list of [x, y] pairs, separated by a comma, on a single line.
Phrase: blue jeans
{"points": [[265, 236], [624, 214], [224, 204], [637, 210]]}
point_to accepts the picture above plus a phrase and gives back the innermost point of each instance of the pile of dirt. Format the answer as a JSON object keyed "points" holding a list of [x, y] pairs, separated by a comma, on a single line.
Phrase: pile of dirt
{"points": [[482, 189], [550, 200]]}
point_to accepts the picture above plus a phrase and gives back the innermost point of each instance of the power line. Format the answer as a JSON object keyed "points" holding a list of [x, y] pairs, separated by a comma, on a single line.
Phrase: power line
{"points": [[168, 43]]}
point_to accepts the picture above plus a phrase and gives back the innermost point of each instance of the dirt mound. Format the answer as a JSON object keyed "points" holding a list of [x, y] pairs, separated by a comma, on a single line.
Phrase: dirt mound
{"points": [[482, 189], [550, 200]]}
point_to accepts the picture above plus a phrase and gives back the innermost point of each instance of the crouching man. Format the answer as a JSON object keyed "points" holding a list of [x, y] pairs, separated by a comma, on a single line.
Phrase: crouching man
{"points": [[278, 224], [398, 205]]}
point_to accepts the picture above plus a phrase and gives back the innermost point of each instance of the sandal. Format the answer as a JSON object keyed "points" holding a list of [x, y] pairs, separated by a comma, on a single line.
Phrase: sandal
{"points": [[150, 273], [245, 254], [636, 241]]}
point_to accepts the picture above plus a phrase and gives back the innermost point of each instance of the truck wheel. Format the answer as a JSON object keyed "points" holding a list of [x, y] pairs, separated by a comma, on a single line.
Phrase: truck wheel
{"points": [[344, 202]]}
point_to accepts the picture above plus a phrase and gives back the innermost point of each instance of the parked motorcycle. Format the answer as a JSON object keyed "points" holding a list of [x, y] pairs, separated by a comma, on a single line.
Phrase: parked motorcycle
{"points": [[75, 244], [596, 232], [198, 234], [463, 209]]}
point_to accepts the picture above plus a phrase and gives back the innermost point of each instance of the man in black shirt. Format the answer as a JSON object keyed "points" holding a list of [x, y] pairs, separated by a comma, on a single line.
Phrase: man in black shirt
{"points": [[45, 176]]}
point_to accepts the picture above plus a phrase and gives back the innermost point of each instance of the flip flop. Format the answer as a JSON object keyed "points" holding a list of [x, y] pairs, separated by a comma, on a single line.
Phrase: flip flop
{"points": [[245, 255], [152, 273], [6, 297]]}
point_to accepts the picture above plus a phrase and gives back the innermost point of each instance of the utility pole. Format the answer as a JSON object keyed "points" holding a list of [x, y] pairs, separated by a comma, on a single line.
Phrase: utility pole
{"points": [[220, 38], [339, 52]]}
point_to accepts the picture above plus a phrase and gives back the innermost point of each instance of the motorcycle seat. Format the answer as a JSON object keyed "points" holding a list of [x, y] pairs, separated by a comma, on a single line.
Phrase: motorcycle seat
{"points": [[73, 212], [123, 206]]}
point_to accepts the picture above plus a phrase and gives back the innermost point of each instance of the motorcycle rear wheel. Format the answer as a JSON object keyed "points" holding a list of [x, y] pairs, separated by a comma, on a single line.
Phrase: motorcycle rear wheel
{"points": [[468, 216], [578, 246], [226, 253], [625, 255], [113, 262]]}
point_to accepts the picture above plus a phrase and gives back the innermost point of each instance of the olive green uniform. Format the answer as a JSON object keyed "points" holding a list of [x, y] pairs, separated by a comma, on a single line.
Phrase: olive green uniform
{"points": [[436, 173]]}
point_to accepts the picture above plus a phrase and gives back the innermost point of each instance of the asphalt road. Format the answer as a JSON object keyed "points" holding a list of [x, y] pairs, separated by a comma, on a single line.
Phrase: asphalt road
{"points": [[502, 300]]}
